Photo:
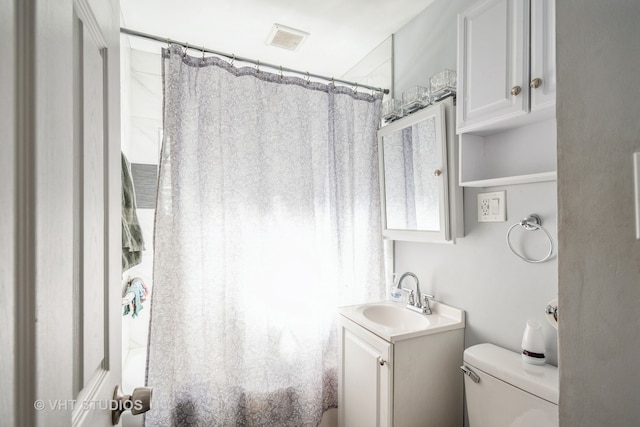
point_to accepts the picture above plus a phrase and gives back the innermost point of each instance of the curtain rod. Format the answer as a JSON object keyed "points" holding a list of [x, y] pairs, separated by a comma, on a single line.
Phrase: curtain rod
{"points": [[139, 34]]}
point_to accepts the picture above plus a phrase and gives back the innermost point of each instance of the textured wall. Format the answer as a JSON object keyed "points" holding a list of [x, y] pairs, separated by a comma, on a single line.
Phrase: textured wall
{"points": [[598, 49]]}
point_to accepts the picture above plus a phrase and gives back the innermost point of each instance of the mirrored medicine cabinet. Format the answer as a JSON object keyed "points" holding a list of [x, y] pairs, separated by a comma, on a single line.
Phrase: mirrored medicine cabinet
{"points": [[419, 193]]}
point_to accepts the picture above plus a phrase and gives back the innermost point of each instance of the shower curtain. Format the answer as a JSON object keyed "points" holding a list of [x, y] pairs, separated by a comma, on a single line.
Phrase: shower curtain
{"points": [[267, 219]]}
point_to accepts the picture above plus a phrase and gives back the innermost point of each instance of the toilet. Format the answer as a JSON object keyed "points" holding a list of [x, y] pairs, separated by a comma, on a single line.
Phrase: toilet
{"points": [[503, 391]]}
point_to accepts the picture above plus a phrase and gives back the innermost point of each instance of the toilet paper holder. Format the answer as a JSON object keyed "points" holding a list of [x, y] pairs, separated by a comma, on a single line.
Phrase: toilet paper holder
{"points": [[552, 310]]}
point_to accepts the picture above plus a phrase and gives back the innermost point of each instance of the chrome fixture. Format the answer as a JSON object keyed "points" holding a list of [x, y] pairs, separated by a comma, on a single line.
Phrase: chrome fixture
{"points": [[531, 223], [552, 310], [419, 304], [414, 99], [391, 110], [467, 371], [232, 57], [442, 85]]}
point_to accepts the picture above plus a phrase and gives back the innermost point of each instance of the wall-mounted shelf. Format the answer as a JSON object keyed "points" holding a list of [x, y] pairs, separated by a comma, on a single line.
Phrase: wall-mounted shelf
{"points": [[516, 156], [512, 180]]}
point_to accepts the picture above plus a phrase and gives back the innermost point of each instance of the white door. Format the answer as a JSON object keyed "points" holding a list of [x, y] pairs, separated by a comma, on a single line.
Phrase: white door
{"points": [[493, 63], [64, 208], [364, 389]]}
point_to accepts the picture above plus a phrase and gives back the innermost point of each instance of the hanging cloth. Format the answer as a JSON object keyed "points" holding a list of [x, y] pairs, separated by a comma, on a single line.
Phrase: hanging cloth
{"points": [[132, 239], [267, 220]]}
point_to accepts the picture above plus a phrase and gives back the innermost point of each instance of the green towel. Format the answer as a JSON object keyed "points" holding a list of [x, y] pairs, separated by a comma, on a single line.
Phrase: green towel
{"points": [[132, 240]]}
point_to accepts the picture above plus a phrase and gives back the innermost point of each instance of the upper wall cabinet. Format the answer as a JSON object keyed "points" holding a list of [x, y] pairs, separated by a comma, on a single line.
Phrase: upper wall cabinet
{"points": [[417, 160], [506, 93], [506, 64]]}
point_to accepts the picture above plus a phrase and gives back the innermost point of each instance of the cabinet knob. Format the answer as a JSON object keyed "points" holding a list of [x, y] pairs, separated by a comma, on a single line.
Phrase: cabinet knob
{"points": [[535, 83], [381, 361], [515, 91], [437, 172]]}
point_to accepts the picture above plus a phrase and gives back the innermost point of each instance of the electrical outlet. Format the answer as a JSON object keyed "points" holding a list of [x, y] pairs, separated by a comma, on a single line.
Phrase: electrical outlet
{"points": [[492, 207]]}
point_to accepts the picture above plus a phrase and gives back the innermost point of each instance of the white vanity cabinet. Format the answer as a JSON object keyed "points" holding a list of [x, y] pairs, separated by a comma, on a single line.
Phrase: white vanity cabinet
{"points": [[506, 64], [396, 381]]}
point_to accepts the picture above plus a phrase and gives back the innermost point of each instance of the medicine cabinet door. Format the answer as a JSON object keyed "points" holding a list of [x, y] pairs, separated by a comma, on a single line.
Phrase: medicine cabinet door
{"points": [[413, 177]]}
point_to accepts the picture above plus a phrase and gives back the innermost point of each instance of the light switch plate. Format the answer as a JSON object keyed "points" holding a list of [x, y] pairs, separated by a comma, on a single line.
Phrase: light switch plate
{"points": [[492, 207]]}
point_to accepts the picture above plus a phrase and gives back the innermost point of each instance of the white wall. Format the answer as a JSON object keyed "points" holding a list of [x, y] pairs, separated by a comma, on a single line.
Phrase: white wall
{"points": [[598, 50], [375, 69], [479, 274], [426, 45], [146, 106]]}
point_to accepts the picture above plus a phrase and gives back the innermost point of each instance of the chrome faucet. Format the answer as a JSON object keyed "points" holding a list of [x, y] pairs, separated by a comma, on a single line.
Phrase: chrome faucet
{"points": [[422, 303]]}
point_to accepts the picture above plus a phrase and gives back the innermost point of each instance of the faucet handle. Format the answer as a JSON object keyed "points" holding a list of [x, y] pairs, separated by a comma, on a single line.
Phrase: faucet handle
{"points": [[412, 300], [425, 303]]}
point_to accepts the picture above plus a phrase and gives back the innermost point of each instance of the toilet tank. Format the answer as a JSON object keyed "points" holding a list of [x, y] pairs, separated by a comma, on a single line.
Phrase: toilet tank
{"points": [[509, 392]]}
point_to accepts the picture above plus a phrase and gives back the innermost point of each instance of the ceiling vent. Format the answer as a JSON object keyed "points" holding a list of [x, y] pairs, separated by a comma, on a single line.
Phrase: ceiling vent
{"points": [[286, 37]]}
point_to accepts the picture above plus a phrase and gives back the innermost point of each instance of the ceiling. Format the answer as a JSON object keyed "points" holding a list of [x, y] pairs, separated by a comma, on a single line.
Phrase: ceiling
{"points": [[342, 32]]}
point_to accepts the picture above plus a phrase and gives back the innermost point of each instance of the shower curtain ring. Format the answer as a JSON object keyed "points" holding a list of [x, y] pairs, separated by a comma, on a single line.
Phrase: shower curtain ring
{"points": [[233, 59], [203, 54], [258, 66], [186, 47], [355, 88], [168, 43], [281, 76], [308, 78]]}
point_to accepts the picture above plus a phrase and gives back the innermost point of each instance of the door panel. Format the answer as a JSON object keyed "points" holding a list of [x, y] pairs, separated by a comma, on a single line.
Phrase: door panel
{"points": [[93, 210], [97, 364]]}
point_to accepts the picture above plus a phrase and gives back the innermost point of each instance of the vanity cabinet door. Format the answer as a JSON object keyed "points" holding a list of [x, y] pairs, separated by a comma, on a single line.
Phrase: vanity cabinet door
{"points": [[493, 62], [365, 378]]}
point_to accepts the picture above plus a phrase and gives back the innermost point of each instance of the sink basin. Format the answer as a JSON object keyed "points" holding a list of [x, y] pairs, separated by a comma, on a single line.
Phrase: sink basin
{"points": [[393, 322], [397, 317]]}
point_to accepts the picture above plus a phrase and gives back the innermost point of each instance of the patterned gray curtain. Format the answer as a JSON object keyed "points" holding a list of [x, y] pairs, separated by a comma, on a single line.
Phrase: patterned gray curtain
{"points": [[267, 219]]}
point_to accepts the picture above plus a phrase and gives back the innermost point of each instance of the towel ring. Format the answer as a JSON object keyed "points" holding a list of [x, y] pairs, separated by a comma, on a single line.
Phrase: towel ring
{"points": [[531, 223]]}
